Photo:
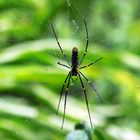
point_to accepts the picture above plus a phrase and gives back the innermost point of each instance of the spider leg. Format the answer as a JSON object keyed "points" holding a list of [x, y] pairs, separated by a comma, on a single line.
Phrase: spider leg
{"points": [[86, 100], [91, 63], [59, 44], [67, 88], [87, 41], [64, 65], [92, 86], [62, 92]]}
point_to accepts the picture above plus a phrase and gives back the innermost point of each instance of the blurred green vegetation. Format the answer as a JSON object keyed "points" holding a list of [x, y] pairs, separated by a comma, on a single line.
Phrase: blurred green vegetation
{"points": [[31, 80]]}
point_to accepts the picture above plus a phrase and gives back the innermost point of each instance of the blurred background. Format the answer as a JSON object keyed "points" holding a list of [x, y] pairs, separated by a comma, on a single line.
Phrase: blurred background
{"points": [[31, 79]]}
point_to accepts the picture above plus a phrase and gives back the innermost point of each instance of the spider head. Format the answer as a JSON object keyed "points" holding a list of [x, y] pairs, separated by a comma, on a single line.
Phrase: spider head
{"points": [[75, 50]]}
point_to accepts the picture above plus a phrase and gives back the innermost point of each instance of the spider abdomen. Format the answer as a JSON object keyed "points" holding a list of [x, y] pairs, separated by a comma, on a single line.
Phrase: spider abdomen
{"points": [[74, 61]]}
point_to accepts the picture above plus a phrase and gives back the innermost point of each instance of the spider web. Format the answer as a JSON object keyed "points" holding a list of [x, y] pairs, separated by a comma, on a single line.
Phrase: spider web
{"points": [[70, 10], [74, 19]]}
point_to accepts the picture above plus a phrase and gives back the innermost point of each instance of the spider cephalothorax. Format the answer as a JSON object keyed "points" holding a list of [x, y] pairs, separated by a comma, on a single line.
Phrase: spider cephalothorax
{"points": [[74, 61], [75, 71]]}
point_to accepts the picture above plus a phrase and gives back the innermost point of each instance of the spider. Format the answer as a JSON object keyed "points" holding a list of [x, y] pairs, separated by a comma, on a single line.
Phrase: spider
{"points": [[75, 68]]}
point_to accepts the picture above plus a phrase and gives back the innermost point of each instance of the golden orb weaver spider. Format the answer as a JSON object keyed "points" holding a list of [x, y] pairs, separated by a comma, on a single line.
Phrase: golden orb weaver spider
{"points": [[75, 71]]}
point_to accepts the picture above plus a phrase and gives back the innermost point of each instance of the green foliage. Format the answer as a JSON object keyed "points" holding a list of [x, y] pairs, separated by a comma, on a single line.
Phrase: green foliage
{"points": [[31, 80]]}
